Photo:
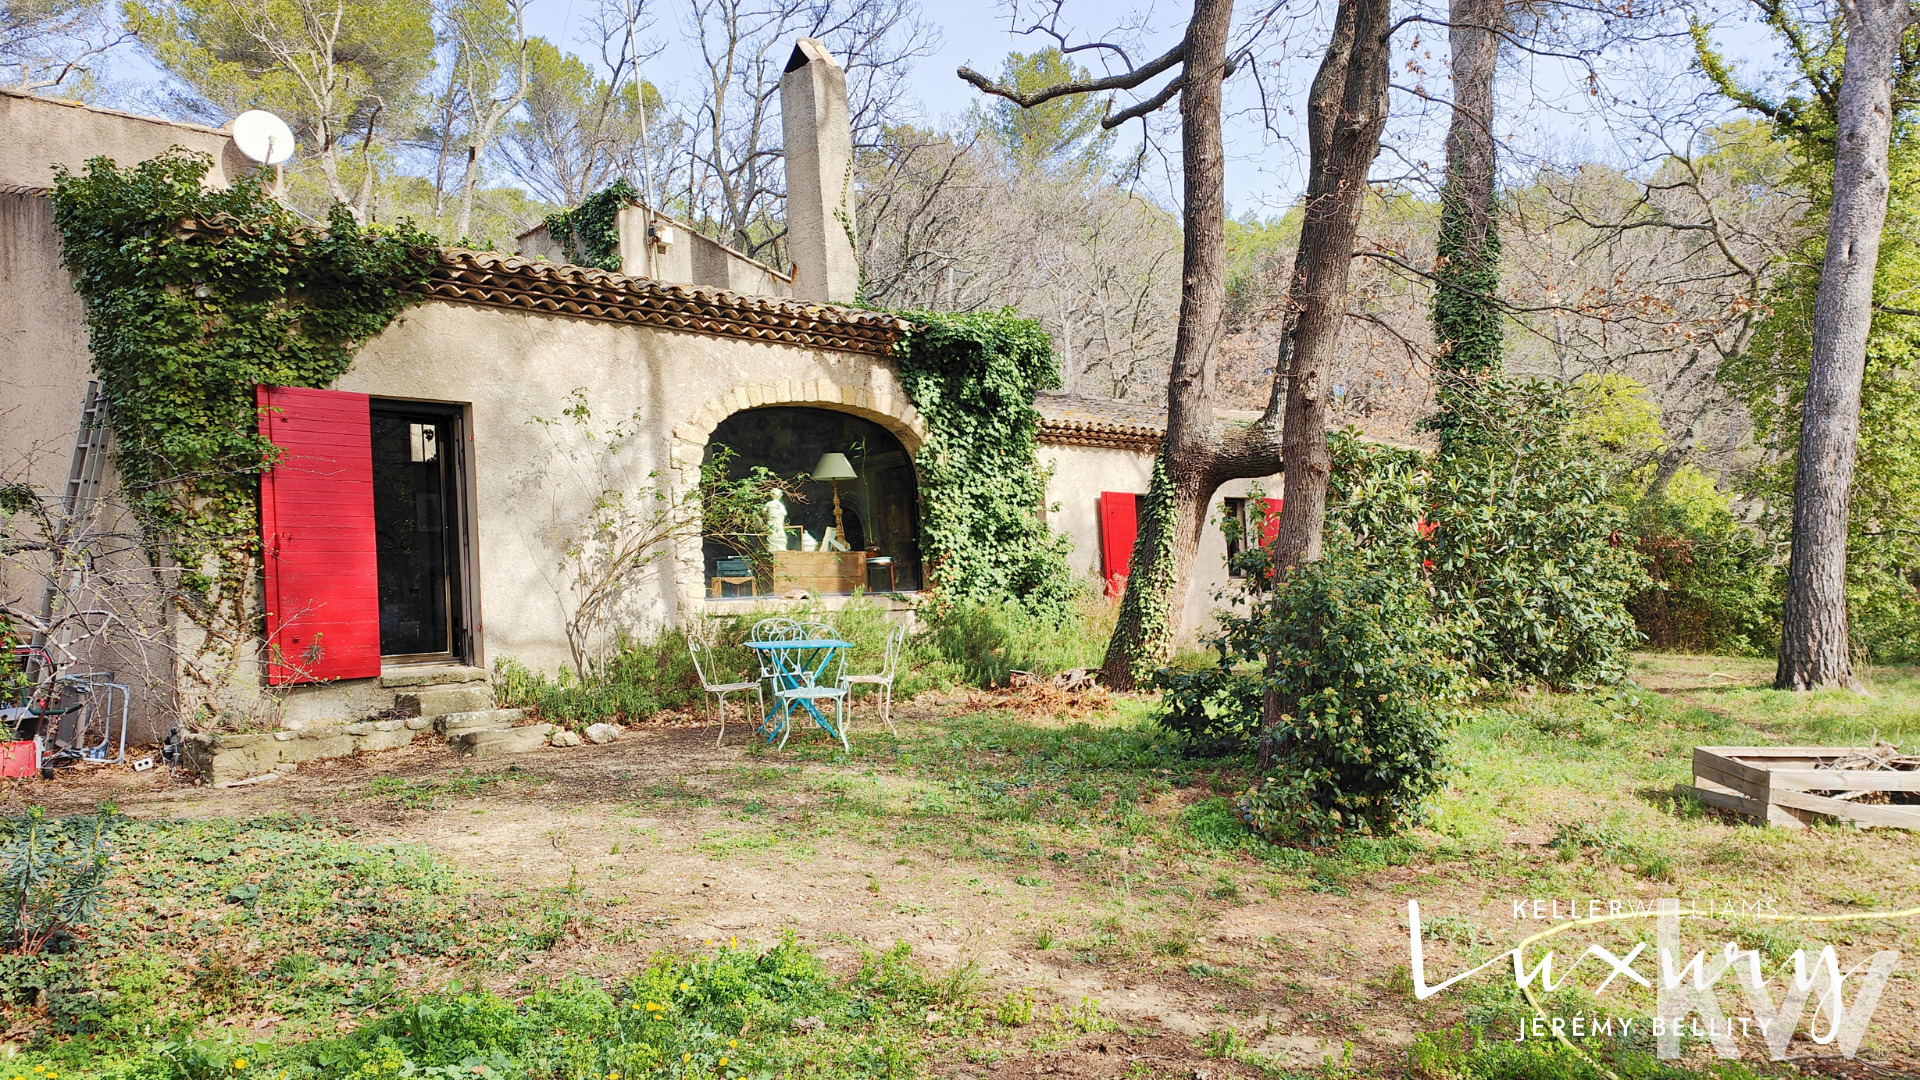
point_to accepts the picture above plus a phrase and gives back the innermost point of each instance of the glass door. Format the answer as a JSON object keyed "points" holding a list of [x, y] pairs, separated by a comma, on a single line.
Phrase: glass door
{"points": [[417, 525]]}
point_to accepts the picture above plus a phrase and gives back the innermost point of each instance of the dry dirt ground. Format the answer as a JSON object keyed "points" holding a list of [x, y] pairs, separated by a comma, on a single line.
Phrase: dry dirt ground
{"points": [[682, 842]]}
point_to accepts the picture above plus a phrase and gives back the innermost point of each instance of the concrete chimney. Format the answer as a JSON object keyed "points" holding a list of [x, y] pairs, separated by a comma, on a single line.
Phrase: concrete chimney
{"points": [[813, 110]]}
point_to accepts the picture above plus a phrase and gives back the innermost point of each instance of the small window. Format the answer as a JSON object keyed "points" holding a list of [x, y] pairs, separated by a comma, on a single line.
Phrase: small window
{"points": [[1234, 511]]}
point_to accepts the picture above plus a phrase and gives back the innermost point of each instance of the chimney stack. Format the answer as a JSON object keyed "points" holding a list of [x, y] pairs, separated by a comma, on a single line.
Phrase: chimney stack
{"points": [[819, 136]]}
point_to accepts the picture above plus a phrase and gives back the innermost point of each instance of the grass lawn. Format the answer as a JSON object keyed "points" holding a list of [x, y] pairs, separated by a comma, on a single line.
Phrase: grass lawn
{"points": [[1019, 884]]}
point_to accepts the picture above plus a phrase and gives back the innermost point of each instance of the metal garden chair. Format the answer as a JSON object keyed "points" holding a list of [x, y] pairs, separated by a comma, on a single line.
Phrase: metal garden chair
{"points": [[896, 642], [701, 648]]}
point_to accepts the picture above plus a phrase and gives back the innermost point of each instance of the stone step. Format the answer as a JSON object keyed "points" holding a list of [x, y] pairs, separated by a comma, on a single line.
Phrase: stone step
{"points": [[439, 700], [481, 745], [455, 724], [439, 675]]}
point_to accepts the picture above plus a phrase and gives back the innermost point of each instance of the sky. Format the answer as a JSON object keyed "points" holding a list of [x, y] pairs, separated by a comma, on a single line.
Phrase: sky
{"points": [[1549, 117]]}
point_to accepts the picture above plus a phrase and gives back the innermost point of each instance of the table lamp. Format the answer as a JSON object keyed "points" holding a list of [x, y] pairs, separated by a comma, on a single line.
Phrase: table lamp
{"points": [[834, 468]]}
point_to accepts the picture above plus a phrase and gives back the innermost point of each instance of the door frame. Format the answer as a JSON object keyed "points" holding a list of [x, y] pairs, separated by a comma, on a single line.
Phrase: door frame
{"points": [[465, 601]]}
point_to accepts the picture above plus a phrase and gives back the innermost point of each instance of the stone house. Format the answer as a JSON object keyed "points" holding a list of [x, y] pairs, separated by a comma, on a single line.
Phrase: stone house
{"points": [[412, 527]]}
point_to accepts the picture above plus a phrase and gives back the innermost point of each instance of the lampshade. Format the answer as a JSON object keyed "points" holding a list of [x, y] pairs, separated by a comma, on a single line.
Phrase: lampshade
{"points": [[834, 467]]}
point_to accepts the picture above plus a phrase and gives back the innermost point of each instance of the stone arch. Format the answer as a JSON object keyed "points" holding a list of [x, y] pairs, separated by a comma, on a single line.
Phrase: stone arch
{"points": [[689, 442], [890, 411]]}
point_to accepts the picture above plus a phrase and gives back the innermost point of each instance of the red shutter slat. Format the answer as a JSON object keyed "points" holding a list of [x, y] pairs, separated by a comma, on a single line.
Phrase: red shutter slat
{"points": [[1119, 522], [316, 531], [1270, 525]]}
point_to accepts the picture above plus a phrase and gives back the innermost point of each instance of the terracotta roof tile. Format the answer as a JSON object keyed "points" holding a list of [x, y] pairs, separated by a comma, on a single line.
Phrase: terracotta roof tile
{"points": [[1078, 420], [512, 281]]}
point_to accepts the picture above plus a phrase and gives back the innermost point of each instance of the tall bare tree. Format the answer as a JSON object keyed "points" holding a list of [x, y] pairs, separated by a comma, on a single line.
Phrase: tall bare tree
{"points": [[1346, 115], [491, 67], [1813, 637], [731, 160]]}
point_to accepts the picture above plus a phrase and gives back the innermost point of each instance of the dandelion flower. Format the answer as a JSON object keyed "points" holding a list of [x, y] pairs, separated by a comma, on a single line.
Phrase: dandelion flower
{"points": [[686, 1057], [723, 1062], [731, 1043], [239, 1063]]}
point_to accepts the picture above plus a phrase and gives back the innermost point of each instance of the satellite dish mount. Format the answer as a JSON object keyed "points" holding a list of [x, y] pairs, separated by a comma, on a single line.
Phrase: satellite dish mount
{"points": [[265, 138]]}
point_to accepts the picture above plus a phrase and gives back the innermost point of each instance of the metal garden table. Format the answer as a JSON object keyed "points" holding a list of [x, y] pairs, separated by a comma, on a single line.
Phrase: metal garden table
{"points": [[795, 669]]}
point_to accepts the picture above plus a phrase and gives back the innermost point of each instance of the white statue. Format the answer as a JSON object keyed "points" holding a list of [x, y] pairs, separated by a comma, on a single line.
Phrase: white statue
{"points": [[807, 542], [776, 524]]}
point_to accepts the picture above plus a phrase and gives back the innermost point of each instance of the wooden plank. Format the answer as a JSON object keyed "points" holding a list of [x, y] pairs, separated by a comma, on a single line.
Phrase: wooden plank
{"points": [[1781, 751], [1720, 763], [1749, 782], [1896, 817], [1753, 810], [1847, 779]]}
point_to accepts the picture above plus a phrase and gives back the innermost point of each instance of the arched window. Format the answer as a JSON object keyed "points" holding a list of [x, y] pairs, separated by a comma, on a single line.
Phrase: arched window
{"points": [[875, 544]]}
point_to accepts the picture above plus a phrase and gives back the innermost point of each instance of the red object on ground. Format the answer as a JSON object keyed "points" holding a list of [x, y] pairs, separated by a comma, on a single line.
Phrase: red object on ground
{"points": [[19, 759], [1119, 523], [316, 533]]}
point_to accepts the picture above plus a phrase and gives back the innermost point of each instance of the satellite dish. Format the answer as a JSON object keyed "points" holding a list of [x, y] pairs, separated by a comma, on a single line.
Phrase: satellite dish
{"points": [[263, 137]]}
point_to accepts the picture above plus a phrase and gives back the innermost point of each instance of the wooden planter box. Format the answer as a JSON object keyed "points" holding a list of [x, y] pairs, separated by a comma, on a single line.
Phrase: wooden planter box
{"points": [[1782, 785]]}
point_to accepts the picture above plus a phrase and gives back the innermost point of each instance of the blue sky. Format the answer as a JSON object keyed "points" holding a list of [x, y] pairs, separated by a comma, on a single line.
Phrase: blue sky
{"points": [[1548, 117]]}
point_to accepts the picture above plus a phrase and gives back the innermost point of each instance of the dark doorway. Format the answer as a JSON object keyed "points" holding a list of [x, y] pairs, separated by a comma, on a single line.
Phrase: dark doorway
{"points": [[418, 519]]}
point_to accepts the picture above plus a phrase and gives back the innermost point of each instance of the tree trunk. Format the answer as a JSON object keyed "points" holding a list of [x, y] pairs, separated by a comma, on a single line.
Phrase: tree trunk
{"points": [[1813, 638], [1346, 112], [1183, 482], [1466, 316]]}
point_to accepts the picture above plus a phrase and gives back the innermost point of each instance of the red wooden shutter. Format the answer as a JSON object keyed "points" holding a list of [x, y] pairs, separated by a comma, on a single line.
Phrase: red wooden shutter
{"points": [[1119, 521], [1270, 525], [316, 531]]}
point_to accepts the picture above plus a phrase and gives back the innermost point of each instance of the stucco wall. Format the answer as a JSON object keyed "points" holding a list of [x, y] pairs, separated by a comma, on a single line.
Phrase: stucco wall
{"points": [[1081, 473], [510, 368], [38, 133]]}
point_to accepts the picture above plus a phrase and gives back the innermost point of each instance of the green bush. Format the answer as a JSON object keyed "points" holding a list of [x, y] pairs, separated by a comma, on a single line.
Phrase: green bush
{"points": [[1714, 587], [1215, 710], [1367, 679], [1527, 557], [728, 1014], [53, 874], [989, 640]]}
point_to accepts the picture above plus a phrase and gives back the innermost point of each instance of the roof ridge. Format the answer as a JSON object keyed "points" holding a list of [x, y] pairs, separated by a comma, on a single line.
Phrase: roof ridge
{"points": [[496, 279]]}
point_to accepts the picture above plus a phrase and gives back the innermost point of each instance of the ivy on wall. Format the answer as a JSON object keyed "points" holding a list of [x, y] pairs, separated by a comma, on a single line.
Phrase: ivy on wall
{"points": [[195, 296], [973, 379], [589, 234]]}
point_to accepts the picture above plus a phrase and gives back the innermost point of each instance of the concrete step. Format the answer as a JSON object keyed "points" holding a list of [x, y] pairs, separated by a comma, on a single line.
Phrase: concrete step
{"points": [[481, 745], [439, 700], [437, 675], [455, 724]]}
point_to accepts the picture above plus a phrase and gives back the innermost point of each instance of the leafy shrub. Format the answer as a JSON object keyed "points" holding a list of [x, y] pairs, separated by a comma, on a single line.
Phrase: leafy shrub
{"points": [[1527, 557], [989, 640], [1714, 586], [1367, 680], [53, 875], [1215, 710]]}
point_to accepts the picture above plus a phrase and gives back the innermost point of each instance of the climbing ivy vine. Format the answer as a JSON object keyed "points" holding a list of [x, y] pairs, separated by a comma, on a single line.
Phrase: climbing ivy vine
{"points": [[589, 234], [973, 378], [1467, 321], [193, 298], [1146, 613]]}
